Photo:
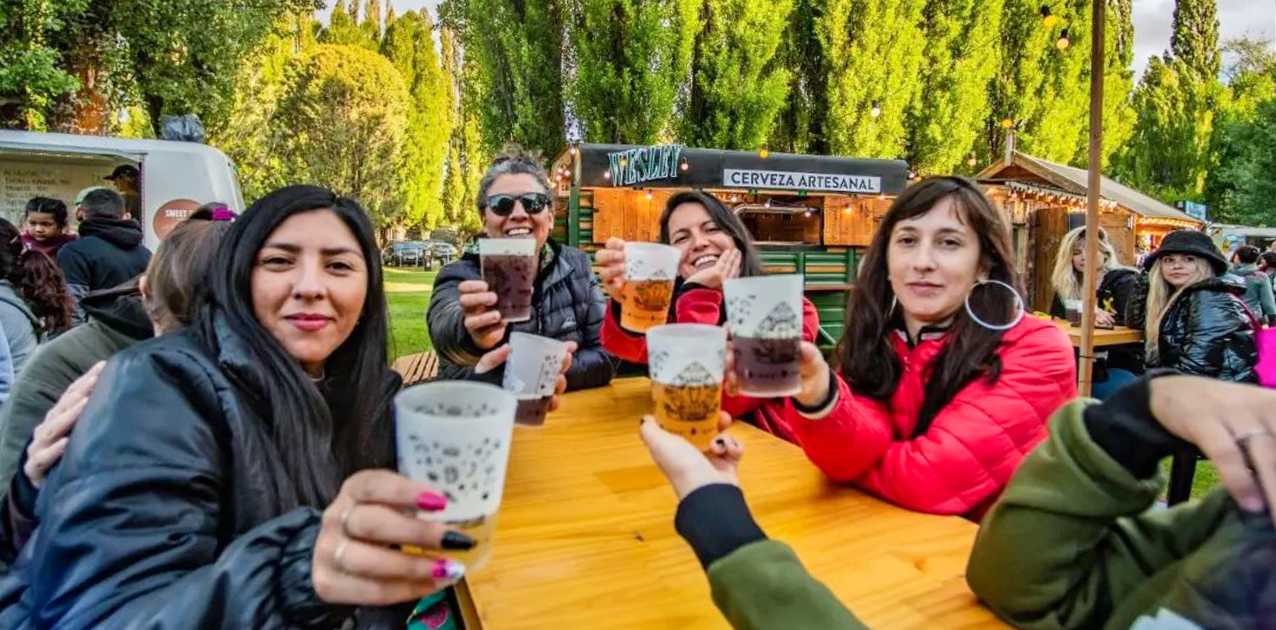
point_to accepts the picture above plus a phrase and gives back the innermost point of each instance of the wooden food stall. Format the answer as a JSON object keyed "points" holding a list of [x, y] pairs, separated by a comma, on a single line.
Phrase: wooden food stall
{"points": [[809, 214], [1044, 200]]}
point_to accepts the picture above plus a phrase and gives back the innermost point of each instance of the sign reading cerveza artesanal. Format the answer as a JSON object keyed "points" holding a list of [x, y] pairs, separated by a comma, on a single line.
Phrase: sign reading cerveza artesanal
{"points": [[788, 180], [644, 164]]}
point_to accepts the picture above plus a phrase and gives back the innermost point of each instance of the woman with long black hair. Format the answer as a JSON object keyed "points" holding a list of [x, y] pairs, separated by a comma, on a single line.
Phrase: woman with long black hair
{"points": [[945, 384], [715, 246], [222, 477], [34, 300]]}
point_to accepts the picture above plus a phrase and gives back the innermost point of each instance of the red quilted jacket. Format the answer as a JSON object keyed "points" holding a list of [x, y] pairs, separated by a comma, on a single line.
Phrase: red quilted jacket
{"points": [[704, 306], [965, 458]]}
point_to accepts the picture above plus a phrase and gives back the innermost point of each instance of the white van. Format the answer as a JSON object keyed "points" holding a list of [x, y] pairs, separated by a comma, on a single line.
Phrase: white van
{"points": [[176, 177]]}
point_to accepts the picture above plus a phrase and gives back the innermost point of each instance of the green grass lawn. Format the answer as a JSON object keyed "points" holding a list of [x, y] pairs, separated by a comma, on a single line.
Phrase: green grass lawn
{"points": [[1204, 481], [407, 294]]}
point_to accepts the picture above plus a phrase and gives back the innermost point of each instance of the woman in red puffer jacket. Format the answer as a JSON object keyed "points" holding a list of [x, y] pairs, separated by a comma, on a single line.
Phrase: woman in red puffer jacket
{"points": [[944, 385], [715, 246]]}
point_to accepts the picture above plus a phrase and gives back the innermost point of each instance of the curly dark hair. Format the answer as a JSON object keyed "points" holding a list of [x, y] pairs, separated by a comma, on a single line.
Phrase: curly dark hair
{"points": [[38, 280]]}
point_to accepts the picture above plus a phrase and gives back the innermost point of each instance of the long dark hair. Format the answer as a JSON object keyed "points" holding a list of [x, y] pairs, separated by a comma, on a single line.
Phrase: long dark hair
{"points": [[316, 436], [867, 356], [726, 220], [38, 279]]}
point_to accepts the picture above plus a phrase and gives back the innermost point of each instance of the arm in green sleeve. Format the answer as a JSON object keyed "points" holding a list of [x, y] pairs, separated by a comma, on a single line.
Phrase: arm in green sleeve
{"points": [[1072, 536], [763, 586]]}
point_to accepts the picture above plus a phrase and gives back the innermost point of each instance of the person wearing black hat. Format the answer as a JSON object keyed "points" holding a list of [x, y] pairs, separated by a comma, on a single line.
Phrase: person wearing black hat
{"points": [[128, 182], [1191, 312]]}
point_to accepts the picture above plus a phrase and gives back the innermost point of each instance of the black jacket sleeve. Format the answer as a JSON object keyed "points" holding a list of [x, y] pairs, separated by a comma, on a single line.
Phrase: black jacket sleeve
{"points": [[592, 366], [1057, 309], [17, 513], [1136, 304], [1123, 288], [1212, 318], [446, 319], [133, 530]]}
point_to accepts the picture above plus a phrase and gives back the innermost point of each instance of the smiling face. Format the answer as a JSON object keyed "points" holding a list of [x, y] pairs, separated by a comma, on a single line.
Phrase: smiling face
{"points": [[309, 285], [519, 223], [698, 237], [1179, 270], [42, 225], [933, 261]]}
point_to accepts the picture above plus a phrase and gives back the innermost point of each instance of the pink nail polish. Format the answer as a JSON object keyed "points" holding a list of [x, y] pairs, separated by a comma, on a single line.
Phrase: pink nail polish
{"points": [[430, 502], [447, 569]]}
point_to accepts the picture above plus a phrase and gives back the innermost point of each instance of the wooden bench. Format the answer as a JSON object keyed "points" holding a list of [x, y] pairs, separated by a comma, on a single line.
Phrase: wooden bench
{"points": [[416, 368]]}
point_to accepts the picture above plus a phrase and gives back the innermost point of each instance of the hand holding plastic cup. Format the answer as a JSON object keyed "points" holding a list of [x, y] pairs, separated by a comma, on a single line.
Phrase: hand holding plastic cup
{"points": [[650, 269], [455, 436], [509, 268], [765, 313], [531, 373], [686, 363]]}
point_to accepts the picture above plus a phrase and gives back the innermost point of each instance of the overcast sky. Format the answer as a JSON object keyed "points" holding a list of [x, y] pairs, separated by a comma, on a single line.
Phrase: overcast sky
{"points": [[1152, 19]]}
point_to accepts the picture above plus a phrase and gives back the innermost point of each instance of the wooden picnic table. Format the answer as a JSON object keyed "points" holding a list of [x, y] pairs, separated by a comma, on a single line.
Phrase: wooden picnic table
{"points": [[1103, 336], [585, 535]]}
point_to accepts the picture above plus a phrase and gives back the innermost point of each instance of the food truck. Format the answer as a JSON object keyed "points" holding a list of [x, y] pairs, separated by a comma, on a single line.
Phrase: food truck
{"points": [[808, 214]]}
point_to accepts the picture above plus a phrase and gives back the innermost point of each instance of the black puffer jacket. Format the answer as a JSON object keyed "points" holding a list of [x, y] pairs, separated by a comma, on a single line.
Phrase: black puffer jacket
{"points": [[568, 305], [1205, 332], [171, 508]]}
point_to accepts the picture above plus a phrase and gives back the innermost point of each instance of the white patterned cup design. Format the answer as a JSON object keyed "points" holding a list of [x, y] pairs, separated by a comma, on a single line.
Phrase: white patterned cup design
{"points": [[765, 307], [533, 365], [686, 354], [651, 261], [455, 436], [507, 247]]}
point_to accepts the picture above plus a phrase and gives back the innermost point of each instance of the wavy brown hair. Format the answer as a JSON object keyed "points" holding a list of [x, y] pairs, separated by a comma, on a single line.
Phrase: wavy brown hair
{"points": [[38, 279], [866, 355]]}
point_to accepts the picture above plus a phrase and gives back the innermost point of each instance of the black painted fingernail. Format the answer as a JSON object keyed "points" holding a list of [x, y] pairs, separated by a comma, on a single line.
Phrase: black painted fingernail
{"points": [[457, 540]]}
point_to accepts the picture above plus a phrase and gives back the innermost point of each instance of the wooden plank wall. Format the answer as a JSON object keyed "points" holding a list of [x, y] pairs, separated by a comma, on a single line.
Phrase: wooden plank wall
{"points": [[1048, 227], [850, 221], [628, 214]]}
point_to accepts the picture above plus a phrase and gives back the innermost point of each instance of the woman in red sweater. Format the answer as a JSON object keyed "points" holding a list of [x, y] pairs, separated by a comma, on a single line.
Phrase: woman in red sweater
{"points": [[715, 246], [944, 385]]}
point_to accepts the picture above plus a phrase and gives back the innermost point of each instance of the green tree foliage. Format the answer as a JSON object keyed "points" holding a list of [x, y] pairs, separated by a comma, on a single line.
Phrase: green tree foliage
{"points": [[874, 50], [342, 122], [467, 157], [800, 126], [738, 85], [1238, 189], [1195, 37], [959, 61], [371, 25], [31, 72], [516, 82], [409, 45], [344, 28], [629, 59]]}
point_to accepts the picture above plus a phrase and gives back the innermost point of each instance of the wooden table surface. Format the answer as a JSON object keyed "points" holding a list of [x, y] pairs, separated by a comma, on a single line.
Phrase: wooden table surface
{"points": [[585, 536], [1103, 337]]}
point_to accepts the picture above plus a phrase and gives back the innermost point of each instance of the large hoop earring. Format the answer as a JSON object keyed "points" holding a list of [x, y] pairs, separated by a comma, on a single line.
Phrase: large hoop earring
{"points": [[894, 302], [1018, 304]]}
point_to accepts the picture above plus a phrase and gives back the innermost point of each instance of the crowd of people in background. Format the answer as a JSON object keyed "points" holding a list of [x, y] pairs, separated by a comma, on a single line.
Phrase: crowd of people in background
{"points": [[211, 427]]}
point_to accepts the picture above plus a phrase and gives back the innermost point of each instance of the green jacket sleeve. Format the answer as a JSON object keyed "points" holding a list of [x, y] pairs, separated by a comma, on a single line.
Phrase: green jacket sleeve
{"points": [[1072, 538], [763, 586]]}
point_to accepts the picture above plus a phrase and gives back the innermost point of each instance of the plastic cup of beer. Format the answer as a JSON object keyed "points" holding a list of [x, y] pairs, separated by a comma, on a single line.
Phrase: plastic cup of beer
{"points": [[1073, 310], [509, 269], [765, 313], [686, 362], [650, 269], [455, 436], [531, 372]]}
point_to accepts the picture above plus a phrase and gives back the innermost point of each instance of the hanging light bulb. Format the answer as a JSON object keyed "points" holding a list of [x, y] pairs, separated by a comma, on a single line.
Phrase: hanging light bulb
{"points": [[1008, 123], [1063, 42], [606, 174], [767, 204], [571, 150], [971, 161], [649, 195], [764, 153], [876, 111], [1048, 19], [684, 166]]}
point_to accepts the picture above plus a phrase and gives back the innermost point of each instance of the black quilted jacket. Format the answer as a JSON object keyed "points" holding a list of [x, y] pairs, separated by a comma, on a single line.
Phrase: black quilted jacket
{"points": [[1205, 332]]}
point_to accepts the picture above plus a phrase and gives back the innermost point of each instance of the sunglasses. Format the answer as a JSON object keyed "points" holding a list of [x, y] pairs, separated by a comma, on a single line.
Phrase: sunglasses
{"points": [[503, 205]]}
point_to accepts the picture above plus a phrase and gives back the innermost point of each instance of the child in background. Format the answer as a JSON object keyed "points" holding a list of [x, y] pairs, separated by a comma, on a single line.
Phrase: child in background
{"points": [[46, 226]]}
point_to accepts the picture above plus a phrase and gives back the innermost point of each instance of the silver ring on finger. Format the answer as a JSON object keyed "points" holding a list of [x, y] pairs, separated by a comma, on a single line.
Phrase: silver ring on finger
{"points": [[337, 555], [345, 519]]}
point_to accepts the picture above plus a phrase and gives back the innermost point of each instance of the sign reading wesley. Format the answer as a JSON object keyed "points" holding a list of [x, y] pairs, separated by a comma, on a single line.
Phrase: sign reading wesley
{"points": [[785, 180], [644, 164]]}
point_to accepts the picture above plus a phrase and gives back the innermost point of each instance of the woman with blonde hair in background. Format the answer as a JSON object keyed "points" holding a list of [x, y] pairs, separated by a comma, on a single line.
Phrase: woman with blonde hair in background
{"points": [[1191, 312], [1117, 365]]}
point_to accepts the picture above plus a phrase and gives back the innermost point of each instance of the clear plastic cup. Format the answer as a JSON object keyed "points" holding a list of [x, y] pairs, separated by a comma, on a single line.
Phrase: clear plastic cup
{"points": [[765, 313], [650, 270], [455, 436], [509, 269], [531, 372], [686, 363]]}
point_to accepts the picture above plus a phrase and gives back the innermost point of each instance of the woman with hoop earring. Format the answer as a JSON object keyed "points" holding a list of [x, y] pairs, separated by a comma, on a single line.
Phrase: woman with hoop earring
{"points": [[943, 384]]}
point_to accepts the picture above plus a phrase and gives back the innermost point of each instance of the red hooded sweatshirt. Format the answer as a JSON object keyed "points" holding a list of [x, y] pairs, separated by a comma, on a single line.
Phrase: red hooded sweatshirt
{"points": [[963, 461], [700, 305]]}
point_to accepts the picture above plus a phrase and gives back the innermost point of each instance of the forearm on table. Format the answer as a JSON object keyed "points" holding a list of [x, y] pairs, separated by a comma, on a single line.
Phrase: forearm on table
{"points": [[846, 438]]}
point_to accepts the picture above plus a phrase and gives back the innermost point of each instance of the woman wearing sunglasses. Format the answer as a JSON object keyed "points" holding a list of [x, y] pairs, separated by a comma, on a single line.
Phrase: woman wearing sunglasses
{"points": [[567, 305]]}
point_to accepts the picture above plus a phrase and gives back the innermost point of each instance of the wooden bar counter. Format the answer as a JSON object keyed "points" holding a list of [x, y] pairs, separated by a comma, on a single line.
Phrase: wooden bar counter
{"points": [[1103, 336], [585, 537]]}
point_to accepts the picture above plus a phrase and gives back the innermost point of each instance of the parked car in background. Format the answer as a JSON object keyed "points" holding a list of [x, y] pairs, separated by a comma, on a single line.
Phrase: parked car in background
{"points": [[404, 254]]}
